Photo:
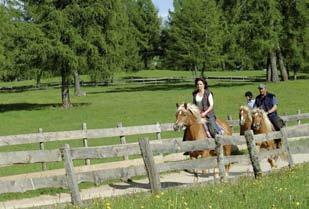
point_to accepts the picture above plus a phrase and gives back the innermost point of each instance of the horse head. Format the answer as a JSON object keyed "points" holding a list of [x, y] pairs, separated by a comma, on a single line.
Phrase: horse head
{"points": [[245, 116], [181, 117], [186, 115], [260, 121]]}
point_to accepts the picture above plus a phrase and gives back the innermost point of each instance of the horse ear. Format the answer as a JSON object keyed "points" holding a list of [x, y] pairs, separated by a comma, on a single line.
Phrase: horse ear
{"points": [[177, 105], [185, 104]]}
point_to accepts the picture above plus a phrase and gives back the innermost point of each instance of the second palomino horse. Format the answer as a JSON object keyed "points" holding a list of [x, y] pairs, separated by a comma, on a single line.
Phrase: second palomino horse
{"points": [[260, 125]]}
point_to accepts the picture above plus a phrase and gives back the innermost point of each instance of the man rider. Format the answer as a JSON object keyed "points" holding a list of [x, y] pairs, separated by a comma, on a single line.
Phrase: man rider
{"points": [[268, 103]]}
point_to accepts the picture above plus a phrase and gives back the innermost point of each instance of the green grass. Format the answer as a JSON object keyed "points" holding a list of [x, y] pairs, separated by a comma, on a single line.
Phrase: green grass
{"points": [[286, 189], [133, 104]]}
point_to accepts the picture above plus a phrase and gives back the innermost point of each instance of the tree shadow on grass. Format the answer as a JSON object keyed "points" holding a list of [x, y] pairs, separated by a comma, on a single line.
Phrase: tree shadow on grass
{"points": [[133, 184], [35, 106], [165, 87]]}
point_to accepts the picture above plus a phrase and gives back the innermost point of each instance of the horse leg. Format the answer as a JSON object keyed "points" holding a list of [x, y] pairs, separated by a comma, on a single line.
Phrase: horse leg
{"points": [[272, 162], [205, 154], [216, 173], [194, 155], [258, 147], [272, 146], [227, 152], [278, 143]]}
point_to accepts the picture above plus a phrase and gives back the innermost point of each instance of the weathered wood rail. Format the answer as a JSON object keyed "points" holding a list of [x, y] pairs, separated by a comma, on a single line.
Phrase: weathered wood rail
{"points": [[147, 150]]}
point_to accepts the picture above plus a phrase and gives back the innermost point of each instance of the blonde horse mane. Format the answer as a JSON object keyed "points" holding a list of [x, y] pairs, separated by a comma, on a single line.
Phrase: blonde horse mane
{"points": [[268, 124], [248, 110], [194, 110]]}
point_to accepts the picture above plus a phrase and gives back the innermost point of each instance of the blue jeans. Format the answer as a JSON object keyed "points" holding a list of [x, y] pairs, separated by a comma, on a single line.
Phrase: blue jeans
{"points": [[212, 125]]}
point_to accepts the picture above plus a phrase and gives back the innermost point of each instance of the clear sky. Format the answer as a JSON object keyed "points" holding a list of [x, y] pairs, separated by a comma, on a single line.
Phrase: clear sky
{"points": [[163, 6]]}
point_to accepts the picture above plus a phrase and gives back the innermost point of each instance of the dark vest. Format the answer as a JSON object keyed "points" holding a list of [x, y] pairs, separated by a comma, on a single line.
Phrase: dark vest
{"points": [[265, 103], [205, 102]]}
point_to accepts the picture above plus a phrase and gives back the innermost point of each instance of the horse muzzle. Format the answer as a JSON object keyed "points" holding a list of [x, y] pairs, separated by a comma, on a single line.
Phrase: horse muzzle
{"points": [[256, 126], [178, 127], [241, 122]]}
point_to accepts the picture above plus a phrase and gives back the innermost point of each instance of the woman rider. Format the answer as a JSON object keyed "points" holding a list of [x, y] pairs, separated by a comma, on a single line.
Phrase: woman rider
{"points": [[203, 98]]}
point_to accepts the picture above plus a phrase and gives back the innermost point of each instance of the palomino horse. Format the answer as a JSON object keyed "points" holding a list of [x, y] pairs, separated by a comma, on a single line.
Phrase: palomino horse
{"points": [[188, 117], [245, 119], [261, 124]]}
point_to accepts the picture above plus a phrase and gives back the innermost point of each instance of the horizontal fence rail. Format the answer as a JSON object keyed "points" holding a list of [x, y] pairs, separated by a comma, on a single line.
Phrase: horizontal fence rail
{"points": [[34, 156]]}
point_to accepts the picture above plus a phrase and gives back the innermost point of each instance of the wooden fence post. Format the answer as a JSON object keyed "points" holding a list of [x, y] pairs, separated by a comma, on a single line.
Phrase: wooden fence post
{"points": [[123, 140], [85, 140], [229, 117], [220, 157], [286, 122], [298, 121], [253, 153], [71, 177], [158, 134], [42, 147], [153, 174], [286, 146]]}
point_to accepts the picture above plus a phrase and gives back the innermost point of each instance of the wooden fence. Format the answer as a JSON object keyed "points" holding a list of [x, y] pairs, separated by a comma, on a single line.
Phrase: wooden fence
{"points": [[142, 80], [86, 153], [119, 131], [147, 150]]}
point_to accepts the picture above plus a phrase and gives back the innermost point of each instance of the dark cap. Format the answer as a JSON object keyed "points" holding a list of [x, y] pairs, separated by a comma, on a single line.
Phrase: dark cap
{"points": [[262, 86]]}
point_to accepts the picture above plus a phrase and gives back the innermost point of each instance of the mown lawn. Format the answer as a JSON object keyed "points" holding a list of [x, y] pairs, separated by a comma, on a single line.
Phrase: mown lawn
{"points": [[285, 189], [133, 104]]}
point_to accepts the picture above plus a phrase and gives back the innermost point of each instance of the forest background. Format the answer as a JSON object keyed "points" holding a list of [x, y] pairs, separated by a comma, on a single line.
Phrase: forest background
{"points": [[99, 38]]}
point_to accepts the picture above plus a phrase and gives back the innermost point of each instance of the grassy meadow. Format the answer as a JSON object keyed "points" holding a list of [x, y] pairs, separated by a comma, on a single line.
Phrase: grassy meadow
{"points": [[285, 189], [132, 104]]}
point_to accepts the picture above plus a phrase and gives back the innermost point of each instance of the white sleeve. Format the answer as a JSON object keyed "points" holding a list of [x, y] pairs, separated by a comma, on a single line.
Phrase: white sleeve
{"points": [[211, 100]]}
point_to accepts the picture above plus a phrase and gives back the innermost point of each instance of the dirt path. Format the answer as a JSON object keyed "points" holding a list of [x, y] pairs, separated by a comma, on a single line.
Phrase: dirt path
{"points": [[167, 180]]}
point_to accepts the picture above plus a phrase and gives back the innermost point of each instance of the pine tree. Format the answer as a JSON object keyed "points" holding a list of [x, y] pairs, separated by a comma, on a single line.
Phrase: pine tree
{"points": [[293, 40], [144, 17], [194, 39]]}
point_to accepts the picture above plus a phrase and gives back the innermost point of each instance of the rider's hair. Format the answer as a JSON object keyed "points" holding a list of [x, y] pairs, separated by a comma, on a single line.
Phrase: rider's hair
{"points": [[249, 94], [203, 80]]}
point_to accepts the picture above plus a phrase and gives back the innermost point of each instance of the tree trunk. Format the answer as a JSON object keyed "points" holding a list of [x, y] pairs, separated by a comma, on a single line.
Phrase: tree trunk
{"points": [[195, 70], [223, 66], [77, 89], [38, 78], [65, 93], [145, 60], [283, 70], [274, 70], [268, 74], [203, 70], [294, 73]]}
